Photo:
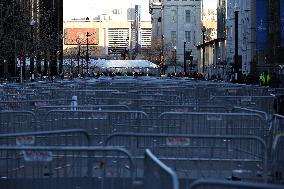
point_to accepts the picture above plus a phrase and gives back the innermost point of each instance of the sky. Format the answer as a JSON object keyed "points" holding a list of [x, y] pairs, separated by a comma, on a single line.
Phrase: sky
{"points": [[92, 8]]}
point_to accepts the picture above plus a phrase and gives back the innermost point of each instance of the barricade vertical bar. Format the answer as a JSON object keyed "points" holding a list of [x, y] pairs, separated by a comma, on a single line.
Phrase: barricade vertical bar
{"points": [[157, 175]]}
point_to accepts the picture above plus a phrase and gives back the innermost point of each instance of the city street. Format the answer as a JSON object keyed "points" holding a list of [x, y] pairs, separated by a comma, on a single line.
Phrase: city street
{"points": [[142, 94], [95, 128]]}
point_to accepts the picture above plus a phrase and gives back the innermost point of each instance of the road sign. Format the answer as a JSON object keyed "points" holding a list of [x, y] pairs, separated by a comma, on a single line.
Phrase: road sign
{"points": [[21, 60]]}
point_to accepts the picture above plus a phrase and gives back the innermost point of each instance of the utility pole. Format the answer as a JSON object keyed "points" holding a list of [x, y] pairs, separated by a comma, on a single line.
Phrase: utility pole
{"points": [[32, 66], [184, 57], [236, 66], [203, 52], [79, 54], [130, 33], [21, 71], [87, 53], [175, 51]]}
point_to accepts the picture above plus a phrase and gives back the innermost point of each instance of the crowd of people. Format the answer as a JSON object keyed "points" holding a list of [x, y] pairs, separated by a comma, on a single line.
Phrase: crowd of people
{"points": [[265, 79]]}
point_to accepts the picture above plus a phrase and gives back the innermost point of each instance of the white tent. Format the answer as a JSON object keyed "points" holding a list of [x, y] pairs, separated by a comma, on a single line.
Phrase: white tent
{"points": [[122, 64]]}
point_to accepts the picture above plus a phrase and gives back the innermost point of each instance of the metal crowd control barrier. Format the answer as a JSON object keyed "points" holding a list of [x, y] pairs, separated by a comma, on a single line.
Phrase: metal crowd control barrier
{"points": [[43, 110], [276, 125], [98, 123], [170, 99], [158, 91], [47, 138], [279, 90], [225, 184], [277, 158], [247, 110], [200, 91], [263, 103], [32, 105], [133, 104], [84, 96], [65, 167], [265, 117], [17, 121], [157, 175], [86, 107], [155, 110], [276, 128], [200, 156], [212, 123]]}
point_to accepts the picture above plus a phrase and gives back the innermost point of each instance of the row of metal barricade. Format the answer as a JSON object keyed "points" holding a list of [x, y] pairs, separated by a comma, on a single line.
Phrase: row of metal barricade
{"points": [[140, 133], [35, 160]]}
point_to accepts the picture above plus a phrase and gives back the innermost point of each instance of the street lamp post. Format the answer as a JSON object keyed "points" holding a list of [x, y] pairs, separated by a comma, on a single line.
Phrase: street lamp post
{"points": [[32, 24], [162, 56], [184, 57], [79, 54], [203, 52], [175, 51], [87, 53], [126, 49], [21, 70], [236, 66], [115, 49], [163, 37]]}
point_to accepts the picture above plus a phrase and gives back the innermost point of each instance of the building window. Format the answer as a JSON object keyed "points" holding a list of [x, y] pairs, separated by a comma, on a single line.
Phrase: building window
{"points": [[174, 16], [187, 16], [194, 17], [173, 37], [116, 11], [194, 37], [187, 36]]}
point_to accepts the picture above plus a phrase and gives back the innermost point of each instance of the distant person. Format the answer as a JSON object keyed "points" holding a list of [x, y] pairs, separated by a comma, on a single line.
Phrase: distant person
{"points": [[169, 75], [279, 104], [213, 77], [264, 79], [275, 81]]}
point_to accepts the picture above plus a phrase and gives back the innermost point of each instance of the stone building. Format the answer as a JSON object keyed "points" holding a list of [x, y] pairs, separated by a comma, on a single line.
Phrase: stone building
{"points": [[113, 32], [177, 24]]}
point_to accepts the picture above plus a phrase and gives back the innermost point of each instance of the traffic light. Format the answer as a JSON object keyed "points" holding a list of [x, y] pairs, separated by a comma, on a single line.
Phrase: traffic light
{"points": [[162, 57], [188, 55], [125, 54], [126, 57]]}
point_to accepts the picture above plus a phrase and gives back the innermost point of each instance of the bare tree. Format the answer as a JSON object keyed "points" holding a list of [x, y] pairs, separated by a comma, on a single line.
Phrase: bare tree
{"points": [[159, 52]]}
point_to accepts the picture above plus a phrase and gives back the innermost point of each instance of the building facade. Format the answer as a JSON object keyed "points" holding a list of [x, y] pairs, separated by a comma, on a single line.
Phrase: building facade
{"points": [[245, 10], [113, 34], [221, 18], [155, 7], [177, 24], [259, 39]]}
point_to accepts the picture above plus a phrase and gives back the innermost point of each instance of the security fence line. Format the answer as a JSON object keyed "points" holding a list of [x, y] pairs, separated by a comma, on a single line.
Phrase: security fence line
{"points": [[194, 129]]}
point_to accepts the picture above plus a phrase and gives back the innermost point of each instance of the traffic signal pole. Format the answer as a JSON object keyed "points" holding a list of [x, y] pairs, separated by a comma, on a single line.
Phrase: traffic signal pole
{"points": [[184, 57]]}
